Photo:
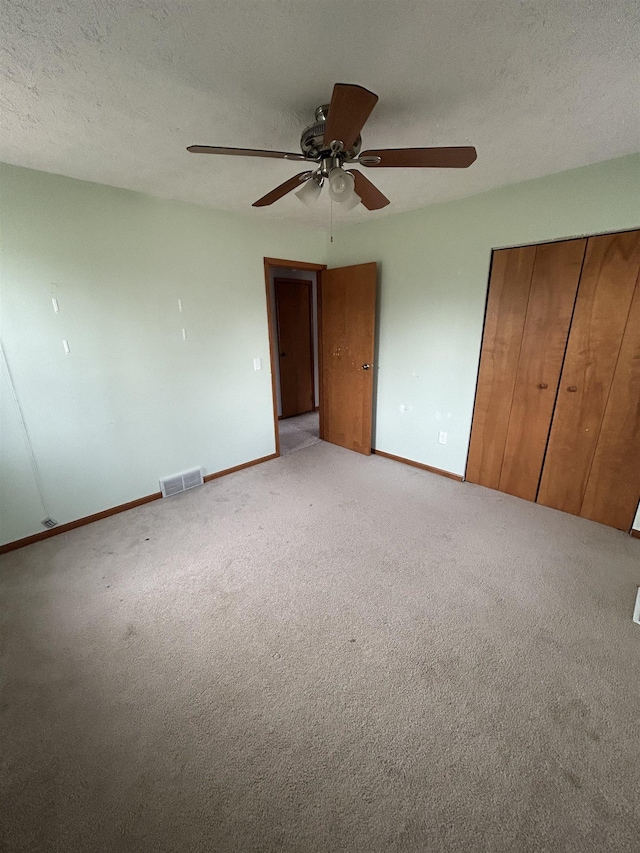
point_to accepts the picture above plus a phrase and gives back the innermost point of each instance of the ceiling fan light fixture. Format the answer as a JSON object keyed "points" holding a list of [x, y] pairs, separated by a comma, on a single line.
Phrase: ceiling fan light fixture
{"points": [[309, 193], [353, 201], [342, 187], [335, 140]]}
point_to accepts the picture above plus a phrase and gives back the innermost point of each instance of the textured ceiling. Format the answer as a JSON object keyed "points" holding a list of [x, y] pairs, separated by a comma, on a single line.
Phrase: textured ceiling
{"points": [[113, 91]]}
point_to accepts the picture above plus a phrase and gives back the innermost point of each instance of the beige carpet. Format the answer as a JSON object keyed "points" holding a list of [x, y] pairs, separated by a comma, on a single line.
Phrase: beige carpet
{"points": [[299, 432], [323, 653]]}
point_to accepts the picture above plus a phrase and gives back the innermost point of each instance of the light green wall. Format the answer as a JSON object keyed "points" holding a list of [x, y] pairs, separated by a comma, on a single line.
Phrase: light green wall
{"points": [[132, 402], [434, 266]]}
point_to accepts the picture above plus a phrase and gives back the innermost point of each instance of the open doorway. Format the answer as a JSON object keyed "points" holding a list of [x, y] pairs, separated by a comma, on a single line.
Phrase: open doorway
{"points": [[337, 348], [293, 320]]}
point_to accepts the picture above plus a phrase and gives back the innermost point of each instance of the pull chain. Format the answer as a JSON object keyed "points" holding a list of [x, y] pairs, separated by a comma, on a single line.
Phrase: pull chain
{"points": [[331, 219]]}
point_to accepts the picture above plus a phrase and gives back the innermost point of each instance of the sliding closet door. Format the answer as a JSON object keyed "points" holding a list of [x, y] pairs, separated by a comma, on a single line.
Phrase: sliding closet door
{"points": [[509, 285], [554, 285], [613, 487], [611, 267], [531, 297]]}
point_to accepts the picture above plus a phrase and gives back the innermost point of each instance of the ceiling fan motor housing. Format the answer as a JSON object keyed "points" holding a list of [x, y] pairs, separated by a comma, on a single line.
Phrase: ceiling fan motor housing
{"points": [[312, 139]]}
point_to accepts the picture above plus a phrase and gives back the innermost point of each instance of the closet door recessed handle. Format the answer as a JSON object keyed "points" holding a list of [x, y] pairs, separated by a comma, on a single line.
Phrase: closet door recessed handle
{"points": [[543, 385], [572, 388]]}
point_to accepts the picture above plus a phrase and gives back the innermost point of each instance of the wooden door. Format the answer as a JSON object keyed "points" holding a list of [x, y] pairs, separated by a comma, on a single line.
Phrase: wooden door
{"points": [[532, 293], [607, 285], [509, 285], [613, 487], [347, 315], [294, 312], [554, 284]]}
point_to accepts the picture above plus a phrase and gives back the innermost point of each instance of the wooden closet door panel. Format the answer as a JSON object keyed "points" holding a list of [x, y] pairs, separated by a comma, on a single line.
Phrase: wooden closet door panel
{"points": [[509, 285], [602, 307], [554, 285], [613, 487]]}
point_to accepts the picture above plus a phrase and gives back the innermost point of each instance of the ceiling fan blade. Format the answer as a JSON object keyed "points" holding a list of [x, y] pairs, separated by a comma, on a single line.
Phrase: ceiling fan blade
{"points": [[436, 158], [283, 189], [349, 109], [369, 193], [245, 152]]}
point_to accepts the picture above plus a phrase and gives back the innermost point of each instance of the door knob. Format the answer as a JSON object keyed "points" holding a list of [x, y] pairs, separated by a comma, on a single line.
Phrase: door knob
{"points": [[543, 385], [366, 366], [572, 388]]}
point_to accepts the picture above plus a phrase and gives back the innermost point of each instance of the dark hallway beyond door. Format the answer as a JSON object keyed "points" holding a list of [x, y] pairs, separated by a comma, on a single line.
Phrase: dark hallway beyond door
{"points": [[294, 314]]}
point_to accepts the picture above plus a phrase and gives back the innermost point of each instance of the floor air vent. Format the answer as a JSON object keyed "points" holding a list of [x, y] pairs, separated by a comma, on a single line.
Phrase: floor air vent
{"points": [[181, 482]]}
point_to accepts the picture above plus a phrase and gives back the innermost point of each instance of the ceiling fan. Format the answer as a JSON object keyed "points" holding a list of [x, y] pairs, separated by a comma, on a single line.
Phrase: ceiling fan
{"points": [[333, 142]]}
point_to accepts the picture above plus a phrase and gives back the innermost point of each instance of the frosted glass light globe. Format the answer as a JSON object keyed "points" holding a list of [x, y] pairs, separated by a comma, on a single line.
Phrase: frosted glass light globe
{"points": [[310, 193], [341, 186]]}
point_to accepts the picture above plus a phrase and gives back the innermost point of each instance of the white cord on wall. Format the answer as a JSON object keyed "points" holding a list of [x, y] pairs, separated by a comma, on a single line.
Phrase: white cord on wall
{"points": [[25, 432]]}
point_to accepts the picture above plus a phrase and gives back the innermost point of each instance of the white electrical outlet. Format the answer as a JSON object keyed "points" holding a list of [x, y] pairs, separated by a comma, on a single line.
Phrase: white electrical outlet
{"points": [[442, 438], [636, 611], [257, 364]]}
